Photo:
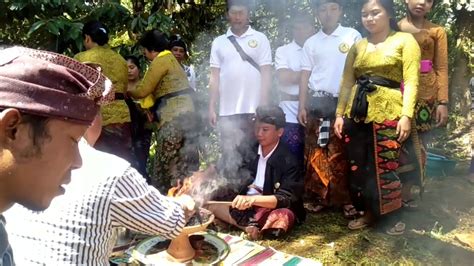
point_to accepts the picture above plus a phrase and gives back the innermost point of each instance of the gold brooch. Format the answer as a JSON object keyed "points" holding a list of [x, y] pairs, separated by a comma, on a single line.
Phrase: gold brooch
{"points": [[344, 47], [252, 43]]}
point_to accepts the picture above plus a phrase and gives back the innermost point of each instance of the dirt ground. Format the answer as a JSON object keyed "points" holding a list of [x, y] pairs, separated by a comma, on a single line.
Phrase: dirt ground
{"points": [[436, 232]]}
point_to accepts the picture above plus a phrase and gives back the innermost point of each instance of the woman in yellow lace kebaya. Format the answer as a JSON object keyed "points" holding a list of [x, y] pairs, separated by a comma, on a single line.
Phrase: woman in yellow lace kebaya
{"points": [[115, 137], [432, 99], [373, 116], [165, 90]]}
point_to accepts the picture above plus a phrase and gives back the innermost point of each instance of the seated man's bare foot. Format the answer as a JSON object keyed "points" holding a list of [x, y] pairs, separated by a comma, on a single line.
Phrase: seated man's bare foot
{"points": [[253, 232]]}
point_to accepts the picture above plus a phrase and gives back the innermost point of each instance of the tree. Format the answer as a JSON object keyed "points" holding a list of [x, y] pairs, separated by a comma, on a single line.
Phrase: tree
{"points": [[56, 25]]}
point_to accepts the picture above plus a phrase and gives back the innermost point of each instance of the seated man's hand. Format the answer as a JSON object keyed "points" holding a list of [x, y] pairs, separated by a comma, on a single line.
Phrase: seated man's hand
{"points": [[242, 202]]}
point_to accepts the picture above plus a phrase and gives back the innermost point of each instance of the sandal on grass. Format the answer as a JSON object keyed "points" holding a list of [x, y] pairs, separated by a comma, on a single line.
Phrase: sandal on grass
{"points": [[350, 211], [358, 223], [409, 204], [397, 230], [314, 208]]}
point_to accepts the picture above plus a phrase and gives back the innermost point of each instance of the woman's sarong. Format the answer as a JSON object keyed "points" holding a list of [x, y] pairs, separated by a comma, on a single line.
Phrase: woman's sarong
{"points": [[372, 151], [413, 154], [326, 169], [173, 152]]}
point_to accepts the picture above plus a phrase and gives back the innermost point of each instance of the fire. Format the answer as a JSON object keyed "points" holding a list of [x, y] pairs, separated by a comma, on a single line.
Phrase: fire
{"points": [[182, 188]]}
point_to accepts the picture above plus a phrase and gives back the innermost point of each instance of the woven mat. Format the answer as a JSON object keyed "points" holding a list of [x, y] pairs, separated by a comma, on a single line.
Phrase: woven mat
{"points": [[246, 253]]}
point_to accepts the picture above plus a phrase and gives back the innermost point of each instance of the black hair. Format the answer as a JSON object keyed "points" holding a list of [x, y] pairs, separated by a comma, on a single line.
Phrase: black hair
{"points": [[97, 31], [38, 131], [134, 60], [389, 7], [318, 3], [176, 40], [271, 114], [302, 18], [244, 3], [154, 40]]}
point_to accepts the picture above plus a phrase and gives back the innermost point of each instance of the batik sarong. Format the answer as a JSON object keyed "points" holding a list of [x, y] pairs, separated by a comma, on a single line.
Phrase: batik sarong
{"points": [[173, 152], [372, 152], [326, 169], [264, 218], [293, 136]]}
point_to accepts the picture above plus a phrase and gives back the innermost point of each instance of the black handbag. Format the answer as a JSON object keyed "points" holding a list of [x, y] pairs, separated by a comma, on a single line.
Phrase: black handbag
{"points": [[323, 105]]}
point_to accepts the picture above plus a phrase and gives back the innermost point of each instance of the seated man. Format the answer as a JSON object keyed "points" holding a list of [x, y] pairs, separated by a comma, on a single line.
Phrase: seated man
{"points": [[80, 226], [270, 202]]}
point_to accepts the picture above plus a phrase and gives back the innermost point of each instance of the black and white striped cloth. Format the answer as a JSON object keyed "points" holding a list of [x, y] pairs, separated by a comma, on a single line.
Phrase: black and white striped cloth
{"points": [[324, 128], [79, 228], [6, 256]]}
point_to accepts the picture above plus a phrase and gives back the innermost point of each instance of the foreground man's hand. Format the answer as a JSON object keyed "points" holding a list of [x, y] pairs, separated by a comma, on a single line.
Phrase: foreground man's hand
{"points": [[188, 205]]}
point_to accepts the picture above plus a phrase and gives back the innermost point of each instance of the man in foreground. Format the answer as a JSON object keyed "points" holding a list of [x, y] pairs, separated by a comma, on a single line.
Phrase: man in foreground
{"points": [[79, 228], [47, 101]]}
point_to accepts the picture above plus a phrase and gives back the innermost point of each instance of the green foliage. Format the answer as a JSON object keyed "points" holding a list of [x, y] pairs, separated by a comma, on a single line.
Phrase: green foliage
{"points": [[57, 25]]}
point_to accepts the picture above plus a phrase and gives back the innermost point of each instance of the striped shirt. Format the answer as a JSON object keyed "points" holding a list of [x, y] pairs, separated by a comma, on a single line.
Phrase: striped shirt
{"points": [[79, 227], [6, 257]]}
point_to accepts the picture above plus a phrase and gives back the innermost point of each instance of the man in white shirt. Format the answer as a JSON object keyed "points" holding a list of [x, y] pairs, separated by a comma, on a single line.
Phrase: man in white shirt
{"points": [[322, 65], [238, 86], [288, 66], [80, 226]]}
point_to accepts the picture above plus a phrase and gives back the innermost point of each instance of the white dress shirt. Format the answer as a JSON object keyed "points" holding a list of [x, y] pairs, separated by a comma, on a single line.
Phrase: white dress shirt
{"points": [[260, 175], [325, 55], [289, 57], [239, 81]]}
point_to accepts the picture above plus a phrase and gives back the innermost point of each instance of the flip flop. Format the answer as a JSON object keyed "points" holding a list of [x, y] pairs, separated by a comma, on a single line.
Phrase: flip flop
{"points": [[409, 204], [357, 224], [314, 208], [350, 211], [398, 229]]}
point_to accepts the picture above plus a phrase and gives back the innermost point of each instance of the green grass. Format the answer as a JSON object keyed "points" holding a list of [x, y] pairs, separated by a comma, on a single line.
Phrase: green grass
{"points": [[446, 209]]}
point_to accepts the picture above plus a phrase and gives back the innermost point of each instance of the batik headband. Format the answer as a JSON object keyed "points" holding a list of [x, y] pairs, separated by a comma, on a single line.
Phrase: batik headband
{"points": [[52, 85]]}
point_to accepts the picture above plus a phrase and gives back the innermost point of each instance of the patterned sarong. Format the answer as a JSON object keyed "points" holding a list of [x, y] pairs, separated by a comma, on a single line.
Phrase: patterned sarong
{"points": [[264, 218], [373, 151]]}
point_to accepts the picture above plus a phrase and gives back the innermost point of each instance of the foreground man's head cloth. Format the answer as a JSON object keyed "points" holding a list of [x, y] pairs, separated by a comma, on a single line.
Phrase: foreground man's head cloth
{"points": [[52, 85], [47, 101]]}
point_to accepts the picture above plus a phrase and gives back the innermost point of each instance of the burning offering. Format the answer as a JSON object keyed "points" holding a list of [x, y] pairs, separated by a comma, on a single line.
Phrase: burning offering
{"points": [[209, 250]]}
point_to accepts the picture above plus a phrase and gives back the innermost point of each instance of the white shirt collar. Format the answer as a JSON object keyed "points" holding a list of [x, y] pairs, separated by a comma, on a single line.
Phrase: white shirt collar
{"points": [[336, 32], [269, 154], [249, 32], [297, 46]]}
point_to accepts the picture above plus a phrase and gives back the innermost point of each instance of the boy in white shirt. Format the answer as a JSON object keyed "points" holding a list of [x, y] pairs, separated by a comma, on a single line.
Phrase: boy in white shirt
{"points": [[239, 82], [288, 66], [324, 56]]}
